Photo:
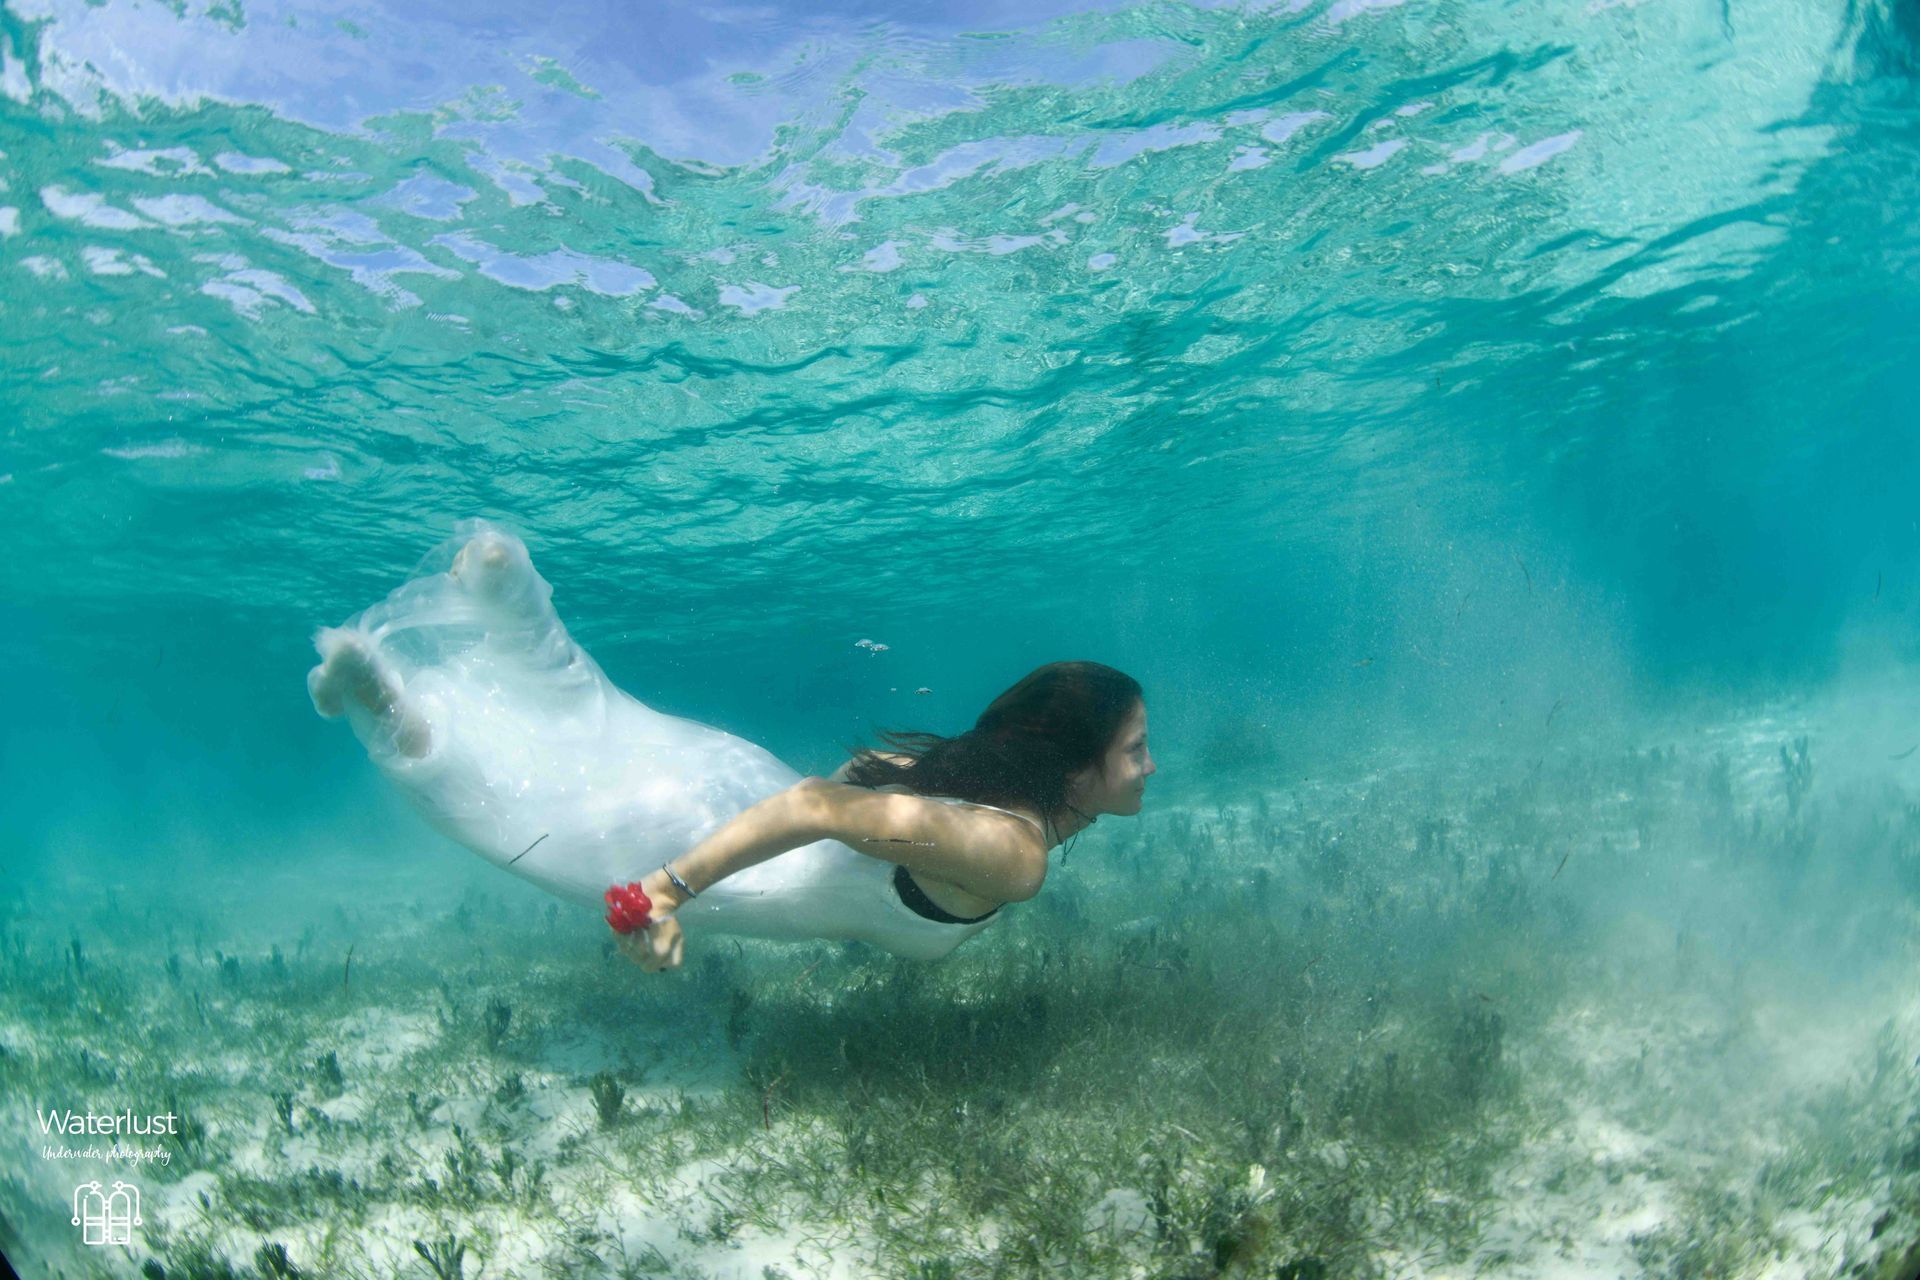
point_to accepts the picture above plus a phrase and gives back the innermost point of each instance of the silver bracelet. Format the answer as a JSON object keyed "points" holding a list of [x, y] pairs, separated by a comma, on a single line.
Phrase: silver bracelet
{"points": [[678, 883]]}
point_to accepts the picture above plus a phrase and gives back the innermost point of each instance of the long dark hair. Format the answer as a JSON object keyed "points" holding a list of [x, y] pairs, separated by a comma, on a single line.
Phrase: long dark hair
{"points": [[1024, 747]]}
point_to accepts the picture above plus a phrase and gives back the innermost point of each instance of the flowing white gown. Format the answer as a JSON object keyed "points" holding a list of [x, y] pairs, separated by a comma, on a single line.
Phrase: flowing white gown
{"points": [[540, 765]]}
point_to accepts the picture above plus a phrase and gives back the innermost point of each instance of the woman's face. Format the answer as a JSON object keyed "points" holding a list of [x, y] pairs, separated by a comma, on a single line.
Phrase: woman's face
{"points": [[1120, 783]]}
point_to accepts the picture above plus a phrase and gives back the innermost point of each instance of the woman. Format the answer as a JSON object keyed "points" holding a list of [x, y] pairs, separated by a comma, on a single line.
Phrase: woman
{"points": [[469, 693]]}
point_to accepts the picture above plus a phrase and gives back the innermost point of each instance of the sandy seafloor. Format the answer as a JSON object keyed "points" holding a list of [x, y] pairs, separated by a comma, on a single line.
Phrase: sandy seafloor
{"points": [[1704, 1060]]}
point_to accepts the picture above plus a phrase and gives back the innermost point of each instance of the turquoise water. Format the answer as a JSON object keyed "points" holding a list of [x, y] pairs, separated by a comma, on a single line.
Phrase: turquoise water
{"points": [[1502, 409]]}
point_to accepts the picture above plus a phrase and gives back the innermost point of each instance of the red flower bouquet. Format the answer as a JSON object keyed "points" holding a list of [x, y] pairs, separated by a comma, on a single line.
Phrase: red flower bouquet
{"points": [[628, 907]]}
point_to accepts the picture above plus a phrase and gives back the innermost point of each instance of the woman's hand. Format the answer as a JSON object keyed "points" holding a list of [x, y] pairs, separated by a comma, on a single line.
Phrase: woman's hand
{"points": [[660, 945]]}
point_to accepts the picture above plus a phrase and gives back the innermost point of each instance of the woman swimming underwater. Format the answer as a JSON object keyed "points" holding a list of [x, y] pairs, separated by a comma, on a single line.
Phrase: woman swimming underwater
{"points": [[470, 695]]}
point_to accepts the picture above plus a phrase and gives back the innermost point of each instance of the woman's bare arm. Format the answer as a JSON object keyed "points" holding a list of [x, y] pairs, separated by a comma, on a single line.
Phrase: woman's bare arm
{"points": [[987, 854], [783, 821], [990, 855]]}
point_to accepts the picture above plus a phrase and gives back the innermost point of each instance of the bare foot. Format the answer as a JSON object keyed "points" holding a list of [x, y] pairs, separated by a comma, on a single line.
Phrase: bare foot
{"points": [[349, 668], [487, 565]]}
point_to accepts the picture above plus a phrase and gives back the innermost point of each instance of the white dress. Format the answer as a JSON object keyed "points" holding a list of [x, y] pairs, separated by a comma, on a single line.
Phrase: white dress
{"points": [[540, 765]]}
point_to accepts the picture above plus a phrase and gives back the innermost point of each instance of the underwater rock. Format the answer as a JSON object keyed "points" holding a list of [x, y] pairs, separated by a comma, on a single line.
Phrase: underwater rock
{"points": [[1122, 1215]]}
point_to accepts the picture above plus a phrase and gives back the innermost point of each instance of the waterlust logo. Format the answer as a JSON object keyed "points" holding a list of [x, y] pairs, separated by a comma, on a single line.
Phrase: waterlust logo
{"points": [[72, 1123], [121, 1124], [106, 1217]]}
